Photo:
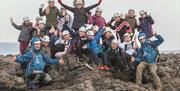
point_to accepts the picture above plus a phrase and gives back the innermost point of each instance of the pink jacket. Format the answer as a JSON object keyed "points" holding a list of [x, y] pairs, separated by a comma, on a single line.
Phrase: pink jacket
{"points": [[99, 21]]}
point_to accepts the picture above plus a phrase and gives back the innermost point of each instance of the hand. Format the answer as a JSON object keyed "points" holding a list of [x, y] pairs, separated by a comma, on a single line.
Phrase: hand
{"points": [[13, 58], [132, 59], [47, 10], [11, 19], [60, 1], [99, 1], [61, 61], [41, 6], [155, 33], [52, 30], [84, 47]]}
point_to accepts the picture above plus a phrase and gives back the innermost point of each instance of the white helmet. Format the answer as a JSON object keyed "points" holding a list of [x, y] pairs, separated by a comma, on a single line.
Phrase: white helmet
{"points": [[116, 15], [41, 22], [38, 18], [142, 12], [46, 39], [127, 34], [82, 29], [98, 9], [26, 19], [96, 28], [115, 41], [90, 33], [65, 32]]}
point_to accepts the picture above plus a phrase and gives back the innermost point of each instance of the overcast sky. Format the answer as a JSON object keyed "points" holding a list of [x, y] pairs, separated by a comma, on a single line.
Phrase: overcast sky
{"points": [[166, 14]]}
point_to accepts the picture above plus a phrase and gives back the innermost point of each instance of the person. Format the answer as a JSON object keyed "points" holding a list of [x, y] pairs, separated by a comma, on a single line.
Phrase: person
{"points": [[65, 19], [131, 19], [36, 64], [80, 12], [146, 57], [97, 19], [107, 39], [145, 23], [66, 40], [120, 26], [128, 45], [51, 12], [38, 18], [113, 55], [40, 30], [45, 45], [94, 45], [25, 33]]}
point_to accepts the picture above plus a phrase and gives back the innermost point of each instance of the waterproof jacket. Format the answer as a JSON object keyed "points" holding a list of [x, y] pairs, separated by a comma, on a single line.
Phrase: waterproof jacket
{"points": [[94, 44], [148, 50]]}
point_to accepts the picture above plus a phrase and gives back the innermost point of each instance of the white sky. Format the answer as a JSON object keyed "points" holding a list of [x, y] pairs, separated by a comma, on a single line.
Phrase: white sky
{"points": [[166, 14]]}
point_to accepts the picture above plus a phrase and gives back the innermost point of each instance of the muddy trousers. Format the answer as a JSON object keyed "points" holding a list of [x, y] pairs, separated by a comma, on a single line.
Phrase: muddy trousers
{"points": [[152, 68]]}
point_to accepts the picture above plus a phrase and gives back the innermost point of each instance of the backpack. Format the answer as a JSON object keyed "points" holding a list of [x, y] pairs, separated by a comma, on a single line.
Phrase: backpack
{"points": [[132, 43]]}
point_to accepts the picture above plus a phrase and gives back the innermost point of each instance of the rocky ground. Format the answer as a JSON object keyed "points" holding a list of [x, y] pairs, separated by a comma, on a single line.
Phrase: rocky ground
{"points": [[75, 77]]}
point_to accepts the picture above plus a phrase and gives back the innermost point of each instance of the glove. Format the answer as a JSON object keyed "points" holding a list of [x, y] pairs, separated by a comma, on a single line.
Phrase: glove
{"points": [[41, 6], [60, 1], [99, 1]]}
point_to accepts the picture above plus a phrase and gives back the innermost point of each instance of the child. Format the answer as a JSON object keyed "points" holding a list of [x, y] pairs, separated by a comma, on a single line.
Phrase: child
{"points": [[36, 64], [147, 58], [94, 45], [25, 34], [145, 23], [45, 45], [120, 26], [65, 19], [131, 19], [97, 19], [66, 40], [80, 12], [51, 12], [107, 39]]}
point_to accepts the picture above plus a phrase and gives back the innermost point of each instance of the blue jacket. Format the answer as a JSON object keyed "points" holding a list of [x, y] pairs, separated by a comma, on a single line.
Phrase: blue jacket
{"points": [[146, 25], [148, 50], [35, 59], [94, 44]]}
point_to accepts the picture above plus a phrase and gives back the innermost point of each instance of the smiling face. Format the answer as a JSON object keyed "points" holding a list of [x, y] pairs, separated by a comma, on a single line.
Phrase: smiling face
{"points": [[142, 40], [66, 37], [81, 34], [79, 6], [46, 44], [127, 38], [108, 35], [41, 26], [37, 46], [117, 18], [131, 13]]}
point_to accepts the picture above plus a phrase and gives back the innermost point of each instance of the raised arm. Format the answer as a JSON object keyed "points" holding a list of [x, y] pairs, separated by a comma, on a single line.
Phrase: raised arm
{"points": [[65, 6], [49, 60], [18, 27], [93, 6], [24, 58], [41, 12]]}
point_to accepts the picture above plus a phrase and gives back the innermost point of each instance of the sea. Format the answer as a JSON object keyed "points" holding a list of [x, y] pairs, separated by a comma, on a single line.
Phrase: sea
{"points": [[13, 48]]}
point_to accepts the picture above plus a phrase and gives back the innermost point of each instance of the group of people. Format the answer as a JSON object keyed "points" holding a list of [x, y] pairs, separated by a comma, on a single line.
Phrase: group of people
{"points": [[109, 45]]}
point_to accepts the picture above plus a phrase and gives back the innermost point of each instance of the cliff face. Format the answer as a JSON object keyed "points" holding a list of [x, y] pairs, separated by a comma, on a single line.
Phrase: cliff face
{"points": [[75, 77]]}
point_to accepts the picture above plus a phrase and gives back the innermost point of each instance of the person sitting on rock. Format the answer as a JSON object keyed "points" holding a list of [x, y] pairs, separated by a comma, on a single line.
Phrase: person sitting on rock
{"points": [[94, 45], [36, 64], [80, 12], [51, 12], [146, 57], [25, 34]]}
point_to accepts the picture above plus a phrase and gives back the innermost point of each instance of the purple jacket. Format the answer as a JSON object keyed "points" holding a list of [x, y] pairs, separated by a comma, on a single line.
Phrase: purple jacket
{"points": [[99, 21]]}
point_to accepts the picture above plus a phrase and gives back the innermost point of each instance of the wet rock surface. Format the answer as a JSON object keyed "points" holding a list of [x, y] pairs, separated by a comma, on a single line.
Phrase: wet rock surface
{"points": [[73, 76]]}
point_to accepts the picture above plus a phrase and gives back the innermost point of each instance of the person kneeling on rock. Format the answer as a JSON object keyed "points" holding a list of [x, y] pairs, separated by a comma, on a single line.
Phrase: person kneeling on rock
{"points": [[36, 64], [146, 56]]}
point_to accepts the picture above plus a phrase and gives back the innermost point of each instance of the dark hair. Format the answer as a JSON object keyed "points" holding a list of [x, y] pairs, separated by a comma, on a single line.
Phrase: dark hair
{"points": [[131, 10]]}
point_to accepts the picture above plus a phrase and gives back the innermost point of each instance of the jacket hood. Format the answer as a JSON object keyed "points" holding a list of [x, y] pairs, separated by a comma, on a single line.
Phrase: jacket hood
{"points": [[33, 42]]}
